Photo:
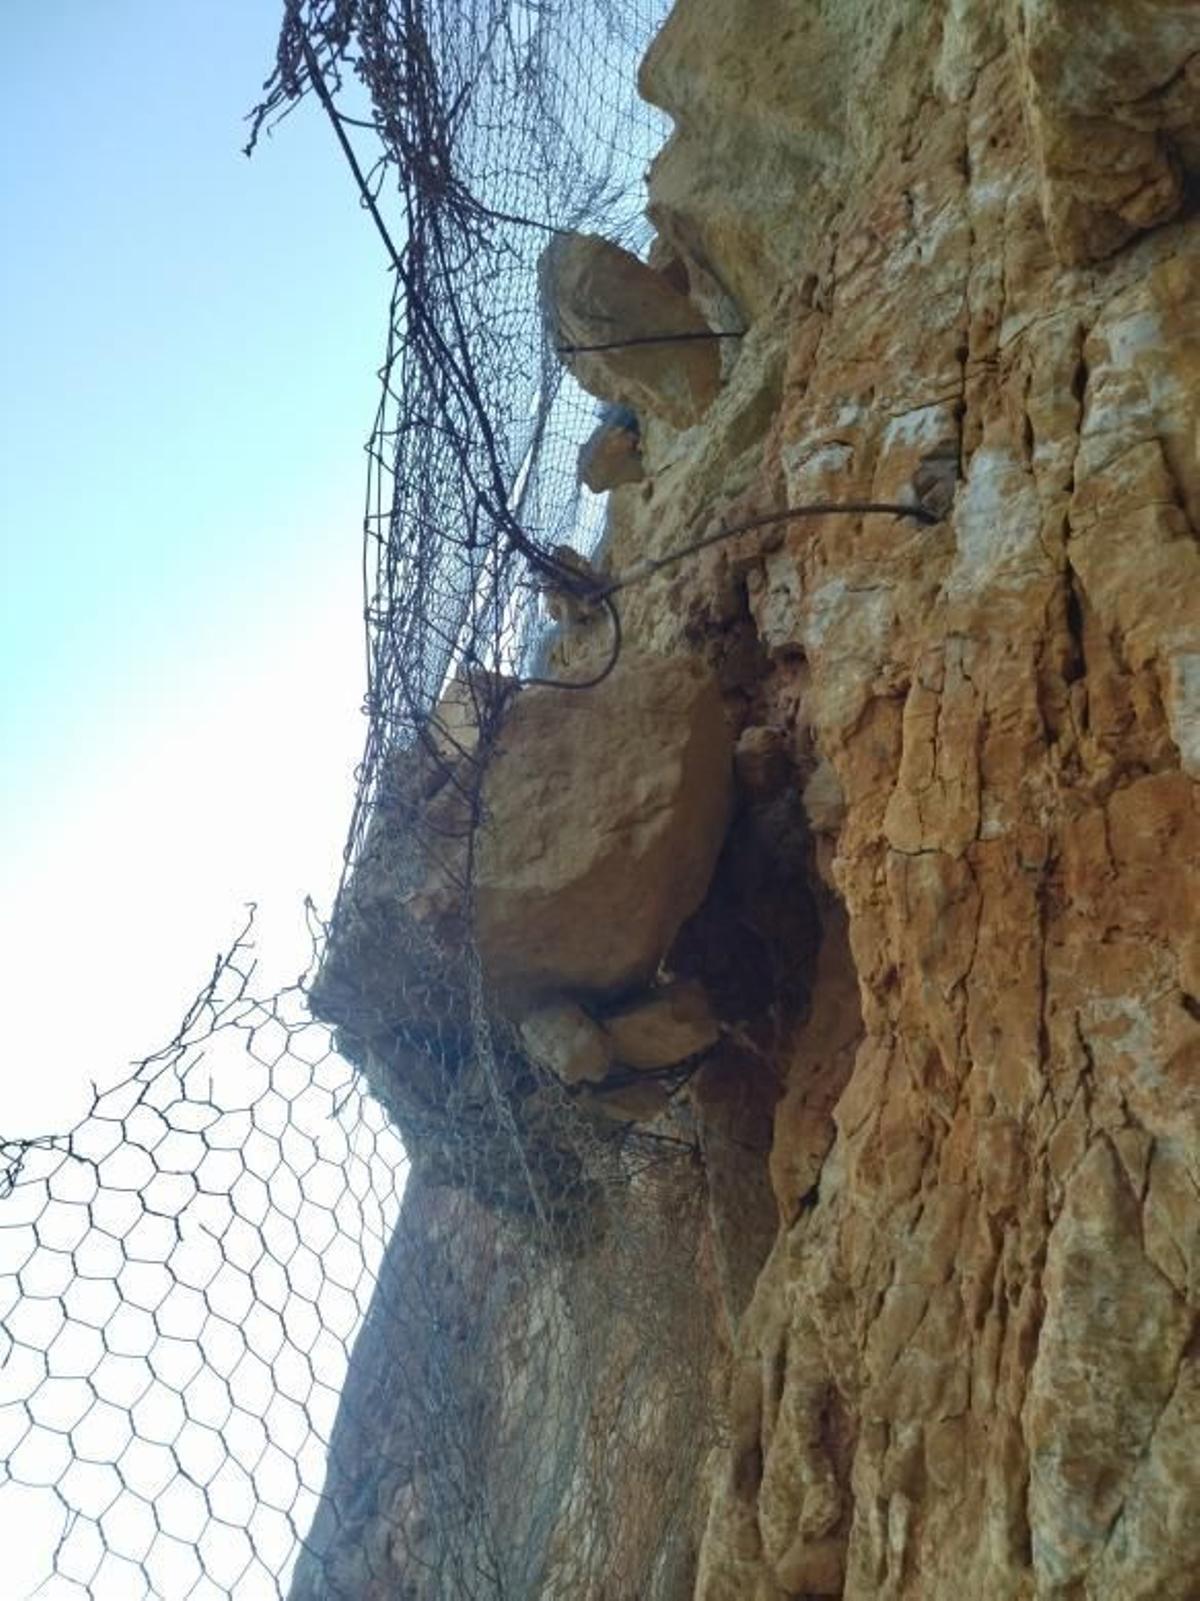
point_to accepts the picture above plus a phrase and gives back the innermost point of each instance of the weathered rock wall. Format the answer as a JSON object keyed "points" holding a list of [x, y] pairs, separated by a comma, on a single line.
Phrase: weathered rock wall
{"points": [[964, 237], [950, 1124]]}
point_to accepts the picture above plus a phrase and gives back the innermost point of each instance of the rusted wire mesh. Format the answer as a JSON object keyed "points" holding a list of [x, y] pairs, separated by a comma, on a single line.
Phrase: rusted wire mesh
{"points": [[496, 126], [183, 1275]]}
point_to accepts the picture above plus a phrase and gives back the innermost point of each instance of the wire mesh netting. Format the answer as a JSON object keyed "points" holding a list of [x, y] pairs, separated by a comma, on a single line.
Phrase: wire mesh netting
{"points": [[187, 1271], [184, 1272]]}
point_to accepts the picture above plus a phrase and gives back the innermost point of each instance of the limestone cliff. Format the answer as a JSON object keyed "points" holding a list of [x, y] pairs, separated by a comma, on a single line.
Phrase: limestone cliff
{"points": [[947, 1095]]}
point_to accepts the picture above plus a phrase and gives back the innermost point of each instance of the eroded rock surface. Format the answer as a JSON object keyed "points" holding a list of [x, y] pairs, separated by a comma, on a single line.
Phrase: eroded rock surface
{"points": [[995, 726]]}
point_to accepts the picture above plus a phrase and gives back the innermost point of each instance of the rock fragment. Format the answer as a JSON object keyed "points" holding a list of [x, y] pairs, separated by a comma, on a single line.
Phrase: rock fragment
{"points": [[610, 456], [664, 1028]]}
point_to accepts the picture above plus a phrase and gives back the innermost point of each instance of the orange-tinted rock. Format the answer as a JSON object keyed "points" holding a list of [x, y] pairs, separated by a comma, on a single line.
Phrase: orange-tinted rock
{"points": [[968, 1361], [1000, 724]]}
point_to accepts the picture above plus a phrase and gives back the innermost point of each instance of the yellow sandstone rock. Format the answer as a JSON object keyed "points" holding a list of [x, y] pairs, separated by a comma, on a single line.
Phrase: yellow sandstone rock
{"points": [[968, 1363]]}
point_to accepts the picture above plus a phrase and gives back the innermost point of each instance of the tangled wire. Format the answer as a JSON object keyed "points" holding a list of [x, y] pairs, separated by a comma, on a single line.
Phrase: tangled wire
{"points": [[491, 127], [472, 488], [183, 1275]]}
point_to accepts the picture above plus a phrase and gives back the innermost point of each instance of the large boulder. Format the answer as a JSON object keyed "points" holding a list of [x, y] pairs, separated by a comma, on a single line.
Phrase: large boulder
{"points": [[606, 810], [603, 812], [658, 356]]}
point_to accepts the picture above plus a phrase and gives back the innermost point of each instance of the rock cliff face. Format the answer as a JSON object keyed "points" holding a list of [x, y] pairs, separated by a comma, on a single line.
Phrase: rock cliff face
{"points": [[949, 1109]]}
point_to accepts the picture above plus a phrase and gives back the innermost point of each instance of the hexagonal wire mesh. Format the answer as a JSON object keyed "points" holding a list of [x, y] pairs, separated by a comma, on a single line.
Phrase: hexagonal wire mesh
{"points": [[184, 1273]]}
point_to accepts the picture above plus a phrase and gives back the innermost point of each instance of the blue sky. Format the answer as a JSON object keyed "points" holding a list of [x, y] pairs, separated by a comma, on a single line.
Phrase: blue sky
{"points": [[190, 341]]}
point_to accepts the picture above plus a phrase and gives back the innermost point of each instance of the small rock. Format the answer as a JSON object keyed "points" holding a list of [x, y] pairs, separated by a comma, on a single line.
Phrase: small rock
{"points": [[673, 1024], [611, 456], [564, 1039]]}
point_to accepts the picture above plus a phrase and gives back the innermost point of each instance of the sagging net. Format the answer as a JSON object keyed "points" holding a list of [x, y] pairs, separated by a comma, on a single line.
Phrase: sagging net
{"points": [[188, 1376], [497, 128]]}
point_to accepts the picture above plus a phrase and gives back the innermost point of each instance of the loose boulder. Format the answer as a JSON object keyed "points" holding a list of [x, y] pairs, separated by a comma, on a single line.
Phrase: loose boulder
{"points": [[603, 813], [610, 456], [657, 356]]}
